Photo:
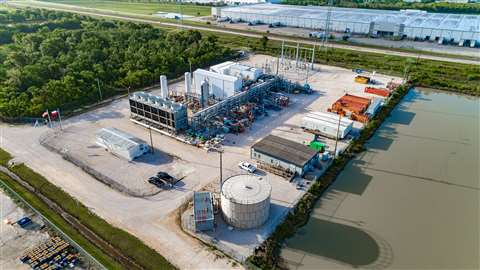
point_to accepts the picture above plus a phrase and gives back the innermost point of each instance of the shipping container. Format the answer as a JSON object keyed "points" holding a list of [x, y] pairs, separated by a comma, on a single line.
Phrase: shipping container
{"points": [[377, 91]]}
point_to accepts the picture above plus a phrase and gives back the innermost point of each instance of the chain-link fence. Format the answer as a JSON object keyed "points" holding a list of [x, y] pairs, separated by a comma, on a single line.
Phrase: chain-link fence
{"points": [[87, 258]]}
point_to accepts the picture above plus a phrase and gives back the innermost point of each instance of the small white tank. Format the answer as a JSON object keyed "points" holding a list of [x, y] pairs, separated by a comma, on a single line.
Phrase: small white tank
{"points": [[245, 201], [188, 82], [163, 86]]}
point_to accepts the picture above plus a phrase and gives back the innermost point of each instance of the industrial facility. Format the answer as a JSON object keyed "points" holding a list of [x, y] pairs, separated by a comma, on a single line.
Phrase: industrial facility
{"points": [[121, 144], [245, 201], [463, 30], [158, 112], [225, 99], [329, 125], [283, 154]]}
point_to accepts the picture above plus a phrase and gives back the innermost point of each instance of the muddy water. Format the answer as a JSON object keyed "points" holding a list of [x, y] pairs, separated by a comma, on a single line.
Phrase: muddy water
{"points": [[411, 201]]}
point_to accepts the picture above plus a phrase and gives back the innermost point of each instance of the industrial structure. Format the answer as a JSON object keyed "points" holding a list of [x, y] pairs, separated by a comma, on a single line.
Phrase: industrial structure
{"points": [[329, 125], [243, 72], [281, 153], [158, 112], [203, 211], [245, 201], [225, 99], [120, 143], [221, 86], [463, 29]]}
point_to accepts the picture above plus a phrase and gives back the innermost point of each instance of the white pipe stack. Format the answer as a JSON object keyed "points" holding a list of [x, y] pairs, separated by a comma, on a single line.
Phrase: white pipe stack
{"points": [[163, 87], [188, 83]]}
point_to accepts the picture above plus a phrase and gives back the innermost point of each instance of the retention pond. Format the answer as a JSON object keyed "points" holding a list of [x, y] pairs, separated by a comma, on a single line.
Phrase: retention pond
{"points": [[410, 201]]}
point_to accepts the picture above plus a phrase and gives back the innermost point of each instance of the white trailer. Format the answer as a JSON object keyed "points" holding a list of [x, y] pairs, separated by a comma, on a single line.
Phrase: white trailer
{"points": [[120, 143], [327, 124]]}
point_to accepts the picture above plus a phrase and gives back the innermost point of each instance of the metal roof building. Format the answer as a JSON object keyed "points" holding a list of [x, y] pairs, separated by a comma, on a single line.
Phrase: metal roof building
{"points": [[404, 23], [289, 155], [120, 143], [329, 125], [203, 211]]}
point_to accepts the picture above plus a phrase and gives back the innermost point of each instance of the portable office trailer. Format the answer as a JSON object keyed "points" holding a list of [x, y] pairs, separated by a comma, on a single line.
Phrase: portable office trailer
{"points": [[221, 85], [327, 124], [120, 143]]}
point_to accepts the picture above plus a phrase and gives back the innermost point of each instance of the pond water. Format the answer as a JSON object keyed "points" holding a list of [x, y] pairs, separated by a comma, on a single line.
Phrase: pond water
{"points": [[410, 201]]}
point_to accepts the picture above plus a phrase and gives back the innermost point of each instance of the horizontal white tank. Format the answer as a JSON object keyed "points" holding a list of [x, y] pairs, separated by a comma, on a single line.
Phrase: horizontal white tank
{"points": [[327, 124], [245, 201]]}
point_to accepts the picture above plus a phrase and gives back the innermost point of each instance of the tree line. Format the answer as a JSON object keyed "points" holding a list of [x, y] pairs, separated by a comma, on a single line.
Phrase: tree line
{"points": [[428, 5], [64, 66]]}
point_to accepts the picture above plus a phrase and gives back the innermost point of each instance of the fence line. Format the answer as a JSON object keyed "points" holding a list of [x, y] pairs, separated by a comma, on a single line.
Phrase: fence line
{"points": [[87, 255]]}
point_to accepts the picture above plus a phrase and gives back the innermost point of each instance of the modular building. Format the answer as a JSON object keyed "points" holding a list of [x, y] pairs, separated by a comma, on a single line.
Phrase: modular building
{"points": [[327, 124], [412, 24], [221, 85], [158, 112], [245, 201], [288, 155], [244, 72], [120, 143], [203, 211]]}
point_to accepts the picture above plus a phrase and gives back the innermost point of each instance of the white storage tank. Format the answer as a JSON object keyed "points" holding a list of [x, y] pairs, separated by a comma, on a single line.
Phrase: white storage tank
{"points": [[245, 201]]}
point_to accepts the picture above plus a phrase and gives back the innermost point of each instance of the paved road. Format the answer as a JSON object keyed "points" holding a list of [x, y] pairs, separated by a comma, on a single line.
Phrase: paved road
{"points": [[129, 17]]}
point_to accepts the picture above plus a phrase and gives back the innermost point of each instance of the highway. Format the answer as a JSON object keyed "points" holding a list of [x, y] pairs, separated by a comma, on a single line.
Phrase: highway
{"points": [[135, 18]]}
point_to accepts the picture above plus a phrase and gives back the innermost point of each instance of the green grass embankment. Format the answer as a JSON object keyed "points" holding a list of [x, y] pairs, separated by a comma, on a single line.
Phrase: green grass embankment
{"points": [[143, 8], [129, 246], [267, 255]]}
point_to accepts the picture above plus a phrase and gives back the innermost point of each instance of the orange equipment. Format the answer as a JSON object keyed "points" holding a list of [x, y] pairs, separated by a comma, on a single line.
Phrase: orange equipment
{"points": [[377, 91]]}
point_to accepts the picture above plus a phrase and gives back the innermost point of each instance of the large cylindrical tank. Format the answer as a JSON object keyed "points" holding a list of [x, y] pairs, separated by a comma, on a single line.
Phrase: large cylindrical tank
{"points": [[245, 201]]}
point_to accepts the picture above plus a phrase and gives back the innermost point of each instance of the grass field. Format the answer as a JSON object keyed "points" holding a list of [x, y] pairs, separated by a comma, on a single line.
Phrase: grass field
{"points": [[124, 242], [138, 7]]}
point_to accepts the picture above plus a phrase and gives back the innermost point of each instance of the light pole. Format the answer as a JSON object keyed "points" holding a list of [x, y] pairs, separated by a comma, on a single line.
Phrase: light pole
{"points": [[336, 138], [151, 140], [99, 91]]}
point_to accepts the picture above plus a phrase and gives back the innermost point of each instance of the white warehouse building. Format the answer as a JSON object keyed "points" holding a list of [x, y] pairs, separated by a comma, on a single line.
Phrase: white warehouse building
{"points": [[221, 86], [413, 24], [327, 124], [121, 144]]}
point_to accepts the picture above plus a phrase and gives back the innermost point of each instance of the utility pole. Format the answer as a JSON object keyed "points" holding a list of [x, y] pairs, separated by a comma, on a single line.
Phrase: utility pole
{"points": [[59, 118], [221, 166], [327, 24], [151, 140], [49, 120], [336, 138], [99, 91]]}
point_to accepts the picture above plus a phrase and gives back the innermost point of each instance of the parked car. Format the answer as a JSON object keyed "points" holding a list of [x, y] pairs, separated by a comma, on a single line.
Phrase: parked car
{"points": [[165, 176], [247, 166], [156, 181]]}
